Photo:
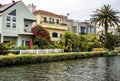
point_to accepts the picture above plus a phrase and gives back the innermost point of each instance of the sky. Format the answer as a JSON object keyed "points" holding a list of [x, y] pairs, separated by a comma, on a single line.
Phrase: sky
{"points": [[77, 9]]}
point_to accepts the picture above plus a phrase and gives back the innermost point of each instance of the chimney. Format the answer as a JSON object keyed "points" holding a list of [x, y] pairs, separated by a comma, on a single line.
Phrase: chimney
{"points": [[13, 1], [32, 7], [0, 5]]}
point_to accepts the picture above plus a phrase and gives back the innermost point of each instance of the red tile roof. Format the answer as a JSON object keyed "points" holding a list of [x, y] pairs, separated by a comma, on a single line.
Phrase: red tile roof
{"points": [[46, 12]]}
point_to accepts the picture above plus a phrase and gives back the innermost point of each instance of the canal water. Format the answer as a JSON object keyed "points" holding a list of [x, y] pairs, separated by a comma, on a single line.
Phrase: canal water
{"points": [[89, 69]]}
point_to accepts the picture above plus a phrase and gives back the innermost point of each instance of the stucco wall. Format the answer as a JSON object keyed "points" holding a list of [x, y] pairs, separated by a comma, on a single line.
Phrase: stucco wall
{"points": [[22, 13], [23, 37]]}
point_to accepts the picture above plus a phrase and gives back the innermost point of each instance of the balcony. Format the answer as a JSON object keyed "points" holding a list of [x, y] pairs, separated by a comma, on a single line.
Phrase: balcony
{"points": [[54, 25]]}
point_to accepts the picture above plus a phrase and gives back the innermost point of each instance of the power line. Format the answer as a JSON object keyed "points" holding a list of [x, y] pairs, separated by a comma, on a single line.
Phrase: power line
{"points": [[86, 10]]}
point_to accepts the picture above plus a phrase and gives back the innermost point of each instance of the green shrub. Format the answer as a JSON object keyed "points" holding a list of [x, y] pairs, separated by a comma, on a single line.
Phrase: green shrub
{"points": [[35, 47], [49, 46], [9, 45], [30, 58], [23, 47], [3, 50], [117, 49], [98, 49]]}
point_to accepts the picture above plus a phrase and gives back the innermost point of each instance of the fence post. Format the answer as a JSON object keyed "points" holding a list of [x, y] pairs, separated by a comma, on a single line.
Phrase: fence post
{"points": [[36, 51], [20, 52]]}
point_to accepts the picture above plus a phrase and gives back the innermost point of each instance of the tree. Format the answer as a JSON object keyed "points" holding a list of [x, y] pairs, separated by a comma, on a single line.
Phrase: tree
{"points": [[42, 37], [105, 17], [88, 41], [118, 29], [67, 40], [113, 40], [74, 42]]}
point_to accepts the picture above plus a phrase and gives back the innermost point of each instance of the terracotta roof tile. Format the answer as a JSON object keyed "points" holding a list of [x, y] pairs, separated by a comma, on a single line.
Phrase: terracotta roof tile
{"points": [[46, 12]]}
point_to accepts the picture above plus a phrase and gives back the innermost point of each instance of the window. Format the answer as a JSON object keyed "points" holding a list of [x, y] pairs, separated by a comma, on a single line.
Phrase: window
{"points": [[45, 20], [14, 19], [26, 25], [74, 29], [14, 25], [54, 34], [57, 21], [60, 35], [22, 44], [8, 18], [8, 24], [51, 20], [83, 30], [13, 13], [26, 43]]}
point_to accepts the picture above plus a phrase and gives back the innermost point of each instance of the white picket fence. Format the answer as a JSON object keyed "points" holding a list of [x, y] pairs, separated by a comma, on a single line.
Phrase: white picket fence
{"points": [[40, 51]]}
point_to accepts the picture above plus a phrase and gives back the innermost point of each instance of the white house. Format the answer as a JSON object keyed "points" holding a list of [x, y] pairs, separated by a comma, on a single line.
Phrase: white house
{"points": [[84, 27], [110, 29], [15, 23]]}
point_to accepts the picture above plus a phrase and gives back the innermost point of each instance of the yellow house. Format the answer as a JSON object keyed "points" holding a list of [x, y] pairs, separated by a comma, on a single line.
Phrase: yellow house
{"points": [[52, 22]]}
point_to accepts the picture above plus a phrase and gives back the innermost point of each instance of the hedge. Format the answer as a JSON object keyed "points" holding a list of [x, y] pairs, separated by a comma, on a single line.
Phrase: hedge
{"points": [[39, 58]]}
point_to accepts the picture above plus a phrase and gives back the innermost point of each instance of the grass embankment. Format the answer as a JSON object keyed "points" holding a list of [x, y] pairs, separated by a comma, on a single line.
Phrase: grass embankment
{"points": [[39, 58]]}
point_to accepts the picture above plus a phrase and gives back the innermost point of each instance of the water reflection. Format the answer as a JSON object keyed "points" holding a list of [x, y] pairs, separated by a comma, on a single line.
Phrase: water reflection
{"points": [[90, 69]]}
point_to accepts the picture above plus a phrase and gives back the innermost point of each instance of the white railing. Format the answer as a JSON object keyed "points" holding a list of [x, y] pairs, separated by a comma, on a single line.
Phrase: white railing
{"points": [[40, 51]]}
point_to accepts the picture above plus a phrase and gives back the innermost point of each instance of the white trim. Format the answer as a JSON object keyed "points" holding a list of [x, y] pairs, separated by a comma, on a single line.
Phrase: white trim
{"points": [[25, 33]]}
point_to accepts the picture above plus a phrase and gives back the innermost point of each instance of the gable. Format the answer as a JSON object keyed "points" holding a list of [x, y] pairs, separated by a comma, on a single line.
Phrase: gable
{"points": [[20, 10], [24, 11], [13, 13]]}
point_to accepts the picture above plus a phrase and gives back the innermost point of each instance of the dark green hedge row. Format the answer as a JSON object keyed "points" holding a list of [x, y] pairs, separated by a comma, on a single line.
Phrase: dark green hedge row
{"points": [[33, 58]]}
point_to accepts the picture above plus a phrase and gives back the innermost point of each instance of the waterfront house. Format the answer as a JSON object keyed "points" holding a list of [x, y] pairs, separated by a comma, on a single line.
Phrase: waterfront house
{"points": [[110, 29], [15, 23], [83, 27], [52, 22]]}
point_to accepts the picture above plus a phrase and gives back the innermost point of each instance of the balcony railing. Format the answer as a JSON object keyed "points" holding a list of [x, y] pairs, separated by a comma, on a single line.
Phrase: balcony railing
{"points": [[54, 23]]}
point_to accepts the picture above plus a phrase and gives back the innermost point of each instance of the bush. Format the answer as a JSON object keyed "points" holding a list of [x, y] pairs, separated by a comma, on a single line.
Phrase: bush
{"points": [[23, 47], [50, 46], [9, 45], [35, 47], [117, 49], [30, 59], [2, 49], [98, 49], [16, 60]]}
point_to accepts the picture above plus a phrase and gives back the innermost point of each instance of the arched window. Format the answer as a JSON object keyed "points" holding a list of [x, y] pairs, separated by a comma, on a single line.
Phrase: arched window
{"points": [[45, 19], [55, 34]]}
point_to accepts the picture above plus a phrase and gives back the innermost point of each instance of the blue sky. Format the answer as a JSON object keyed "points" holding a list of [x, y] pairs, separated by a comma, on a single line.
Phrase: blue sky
{"points": [[78, 9]]}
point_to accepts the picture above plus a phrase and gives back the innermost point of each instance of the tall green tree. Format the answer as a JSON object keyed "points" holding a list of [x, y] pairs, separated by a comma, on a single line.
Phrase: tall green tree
{"points": [[118, 29], [113, 40], [105, 17]]}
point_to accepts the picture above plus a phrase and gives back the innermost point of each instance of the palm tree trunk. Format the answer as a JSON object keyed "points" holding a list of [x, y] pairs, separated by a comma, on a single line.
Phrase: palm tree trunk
{"points": [[106, 38]]}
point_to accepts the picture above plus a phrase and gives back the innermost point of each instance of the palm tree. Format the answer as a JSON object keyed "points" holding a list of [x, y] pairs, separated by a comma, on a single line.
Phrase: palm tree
{"points": [[67, 39], [105, 17], [118, 29]]}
